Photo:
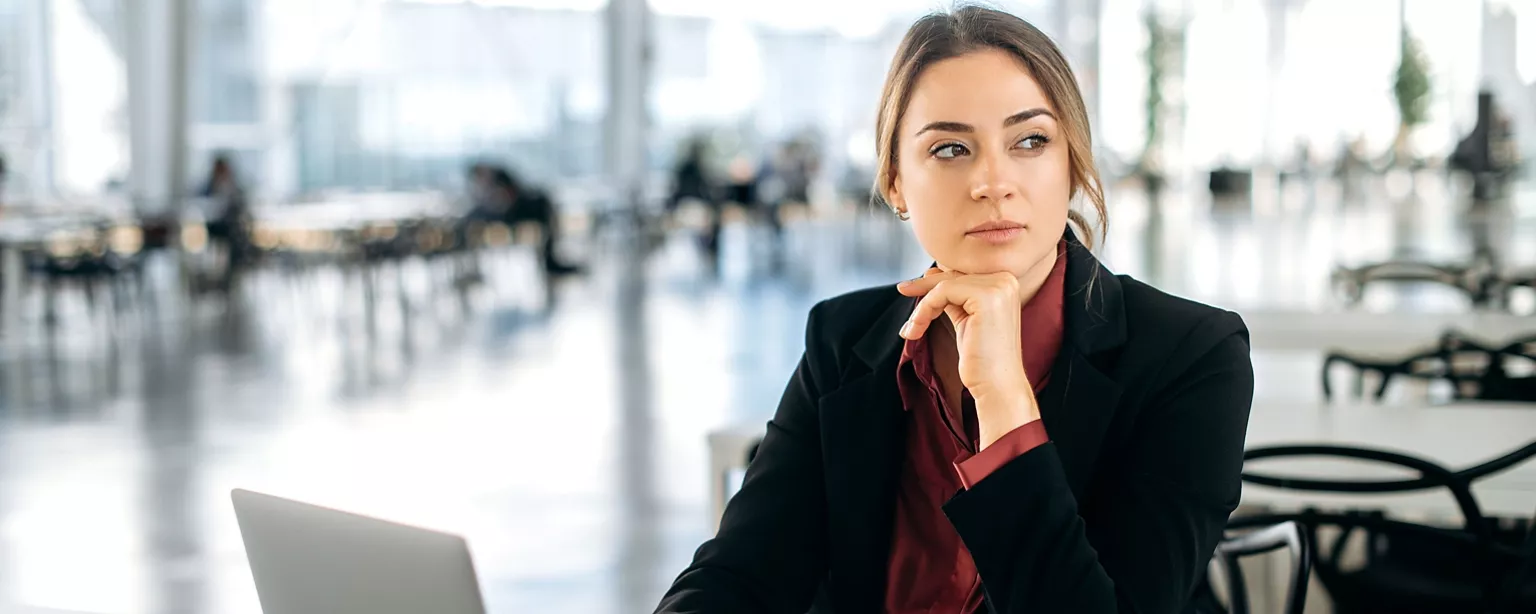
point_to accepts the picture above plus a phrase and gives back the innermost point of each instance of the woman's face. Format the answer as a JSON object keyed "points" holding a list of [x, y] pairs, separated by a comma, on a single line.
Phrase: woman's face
{"points": [[982, 166]]}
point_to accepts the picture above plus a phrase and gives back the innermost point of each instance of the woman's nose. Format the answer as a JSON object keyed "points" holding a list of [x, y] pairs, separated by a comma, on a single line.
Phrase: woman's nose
{"points": [[991, 182]]}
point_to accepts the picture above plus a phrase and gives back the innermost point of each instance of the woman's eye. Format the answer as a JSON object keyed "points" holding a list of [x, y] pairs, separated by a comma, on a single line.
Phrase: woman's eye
{"points": [[949, 151], [1033, 142]]}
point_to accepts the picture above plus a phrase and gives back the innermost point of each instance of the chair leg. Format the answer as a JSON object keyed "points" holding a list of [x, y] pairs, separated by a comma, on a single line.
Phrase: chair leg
{"points": [[1237, 588]]}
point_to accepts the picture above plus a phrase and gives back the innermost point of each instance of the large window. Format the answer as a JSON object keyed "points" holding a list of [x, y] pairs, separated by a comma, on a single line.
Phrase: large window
{"points": [[314, 97], [1263, 76], [63, 97], [750, 76], [24, 110]]}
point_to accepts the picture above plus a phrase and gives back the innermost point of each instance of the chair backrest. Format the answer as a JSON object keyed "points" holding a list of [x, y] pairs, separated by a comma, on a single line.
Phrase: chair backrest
{"points": [[1471, 551], [1431, 476], [1474, 369], [1288, 535], [1519, 583]]}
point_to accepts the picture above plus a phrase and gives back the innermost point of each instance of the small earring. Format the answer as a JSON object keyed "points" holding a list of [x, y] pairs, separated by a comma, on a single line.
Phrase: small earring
{"points": [[901, 214]]}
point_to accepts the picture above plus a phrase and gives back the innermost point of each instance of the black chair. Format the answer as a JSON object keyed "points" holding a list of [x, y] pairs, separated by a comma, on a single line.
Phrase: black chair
{"points": [[1477, 279], [1289, 535], [1475, 370], [96, 257], [1521, 586], [1409, 568]]}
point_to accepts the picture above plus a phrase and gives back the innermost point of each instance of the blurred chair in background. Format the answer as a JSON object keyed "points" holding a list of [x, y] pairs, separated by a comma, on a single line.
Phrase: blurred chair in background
{"points": [[1475, 370], [1241, 544], [1408, 568]]}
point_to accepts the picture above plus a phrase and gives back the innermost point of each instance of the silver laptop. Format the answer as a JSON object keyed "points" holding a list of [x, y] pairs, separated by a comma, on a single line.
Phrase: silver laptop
{"points": [[308, 559]]}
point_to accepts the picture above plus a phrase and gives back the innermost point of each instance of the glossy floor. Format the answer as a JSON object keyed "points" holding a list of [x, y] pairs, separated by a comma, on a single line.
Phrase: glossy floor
{"points": [[565, 440]]}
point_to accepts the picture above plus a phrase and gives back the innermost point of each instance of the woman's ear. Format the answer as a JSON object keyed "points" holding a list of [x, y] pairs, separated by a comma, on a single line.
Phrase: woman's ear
{"points": [[894, 198]]}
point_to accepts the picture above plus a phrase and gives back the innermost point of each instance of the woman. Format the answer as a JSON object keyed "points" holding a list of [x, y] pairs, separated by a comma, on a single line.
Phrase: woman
{"points": [[1017, 431]]}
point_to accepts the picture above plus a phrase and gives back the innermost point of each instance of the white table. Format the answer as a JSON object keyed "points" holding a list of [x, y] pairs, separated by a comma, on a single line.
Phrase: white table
{"points": [[1457, 436]]}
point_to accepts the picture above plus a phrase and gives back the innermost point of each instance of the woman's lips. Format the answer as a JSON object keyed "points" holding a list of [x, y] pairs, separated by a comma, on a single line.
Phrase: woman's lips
{"points": [[996, 232]]}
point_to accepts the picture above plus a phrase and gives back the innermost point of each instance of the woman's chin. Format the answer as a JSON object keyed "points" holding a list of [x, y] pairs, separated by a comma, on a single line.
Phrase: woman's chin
{"points": [[982, 264]]}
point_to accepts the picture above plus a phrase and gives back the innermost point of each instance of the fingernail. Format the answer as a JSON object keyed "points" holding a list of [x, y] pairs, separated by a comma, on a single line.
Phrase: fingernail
{"points": [[906, 329]]}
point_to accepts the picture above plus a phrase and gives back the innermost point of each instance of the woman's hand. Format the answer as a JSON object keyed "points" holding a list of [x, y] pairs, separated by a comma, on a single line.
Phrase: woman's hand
{"points": [[984, 310]]}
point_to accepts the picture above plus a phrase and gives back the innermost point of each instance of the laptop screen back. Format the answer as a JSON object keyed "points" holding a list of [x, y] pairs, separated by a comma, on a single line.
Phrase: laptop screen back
{"points": [[308, 559]]}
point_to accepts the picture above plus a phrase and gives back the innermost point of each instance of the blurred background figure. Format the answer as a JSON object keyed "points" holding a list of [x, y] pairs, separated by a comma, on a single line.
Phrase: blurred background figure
{"points": [[791, 171], [498, 196], [488, 201], [1488, 152], [691, 182], [229, 219]]}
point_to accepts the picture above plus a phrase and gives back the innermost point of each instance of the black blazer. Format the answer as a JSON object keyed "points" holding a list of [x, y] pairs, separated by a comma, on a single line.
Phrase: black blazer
{"points": [[1147, 409]]}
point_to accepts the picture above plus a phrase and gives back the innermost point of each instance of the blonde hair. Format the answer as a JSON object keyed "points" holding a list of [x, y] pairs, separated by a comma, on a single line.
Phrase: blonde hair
{"points": [[946, 35]]}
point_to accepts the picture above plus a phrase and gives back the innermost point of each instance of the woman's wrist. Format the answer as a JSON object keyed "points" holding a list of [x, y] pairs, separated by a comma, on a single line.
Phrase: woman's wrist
{"points": [[999, 413]]}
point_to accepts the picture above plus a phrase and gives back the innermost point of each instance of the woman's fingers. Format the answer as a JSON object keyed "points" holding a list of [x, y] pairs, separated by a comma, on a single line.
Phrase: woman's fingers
{"points": [[932, 305], [950, 292], [920, 286]]}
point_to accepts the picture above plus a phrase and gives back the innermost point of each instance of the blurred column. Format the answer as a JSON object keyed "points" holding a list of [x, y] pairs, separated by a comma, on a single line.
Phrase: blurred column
{"points": [[40, 83], [277, 112], [158, 51], [629, 74], [1277, 14]]}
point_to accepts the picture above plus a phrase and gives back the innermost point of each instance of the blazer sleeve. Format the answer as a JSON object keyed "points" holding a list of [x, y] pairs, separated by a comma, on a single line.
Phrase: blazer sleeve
{"points": [[770, 552], [1152, 530]]}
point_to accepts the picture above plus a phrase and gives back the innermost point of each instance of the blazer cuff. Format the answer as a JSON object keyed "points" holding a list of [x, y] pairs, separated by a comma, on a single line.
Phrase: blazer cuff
{"points": [[974, 468]]}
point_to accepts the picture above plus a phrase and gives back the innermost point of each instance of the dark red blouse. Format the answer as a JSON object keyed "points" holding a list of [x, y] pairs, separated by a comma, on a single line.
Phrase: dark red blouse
{"points": [[930, 571]]}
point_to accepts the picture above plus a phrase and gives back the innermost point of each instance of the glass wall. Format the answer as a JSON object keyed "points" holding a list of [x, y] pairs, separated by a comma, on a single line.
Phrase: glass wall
{"points": [[1262, 78], [311, 97], [23, 112], [315, 97], [63, 99], [751, 76]]}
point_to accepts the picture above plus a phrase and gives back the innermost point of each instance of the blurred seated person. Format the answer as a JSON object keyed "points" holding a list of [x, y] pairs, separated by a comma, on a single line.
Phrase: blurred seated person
{"points": [[229, 214], [743, 186], [1485, 152], [2, 184], [498, 196], [483, 206], [789, 180], [691, 180]]}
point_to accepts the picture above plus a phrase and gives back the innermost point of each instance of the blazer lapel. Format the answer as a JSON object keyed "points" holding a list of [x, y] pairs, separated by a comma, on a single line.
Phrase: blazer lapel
{"points": [[1079, 402], [863, 447], [1077, 405]]}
